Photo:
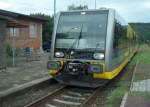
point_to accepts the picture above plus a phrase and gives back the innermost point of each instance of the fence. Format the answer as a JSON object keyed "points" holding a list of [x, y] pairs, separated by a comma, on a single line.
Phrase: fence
{"points": [[18, 59]]}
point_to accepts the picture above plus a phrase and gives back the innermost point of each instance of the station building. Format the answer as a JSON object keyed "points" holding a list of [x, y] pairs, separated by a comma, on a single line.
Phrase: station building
{"points": [[21, 31]]}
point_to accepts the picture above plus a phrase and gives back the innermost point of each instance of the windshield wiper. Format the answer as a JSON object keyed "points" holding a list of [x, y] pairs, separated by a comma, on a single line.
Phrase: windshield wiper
{"points": [[80, 36], [76, 41]]}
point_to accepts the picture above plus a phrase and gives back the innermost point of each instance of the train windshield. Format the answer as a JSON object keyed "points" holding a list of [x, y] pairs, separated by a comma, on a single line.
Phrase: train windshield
{"points": [[82, 30]]}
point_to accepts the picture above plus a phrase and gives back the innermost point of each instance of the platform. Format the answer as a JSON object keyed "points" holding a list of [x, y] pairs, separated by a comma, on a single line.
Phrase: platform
{"points": [[139, 94], [15, 78]]}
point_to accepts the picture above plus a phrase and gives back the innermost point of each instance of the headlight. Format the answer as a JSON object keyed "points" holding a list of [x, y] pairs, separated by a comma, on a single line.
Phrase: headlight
{"points": [[53, 65], [59, 54], [98, 55]]}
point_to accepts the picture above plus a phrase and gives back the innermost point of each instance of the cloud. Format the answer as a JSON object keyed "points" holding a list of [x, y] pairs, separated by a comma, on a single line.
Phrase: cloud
{"points": [[5, 5], [130, 10], [147, 4]]}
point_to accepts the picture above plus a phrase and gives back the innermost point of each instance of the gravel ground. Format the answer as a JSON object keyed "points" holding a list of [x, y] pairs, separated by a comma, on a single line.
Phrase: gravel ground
{"points": [[100, 100], [68, 97], [27, 97]]}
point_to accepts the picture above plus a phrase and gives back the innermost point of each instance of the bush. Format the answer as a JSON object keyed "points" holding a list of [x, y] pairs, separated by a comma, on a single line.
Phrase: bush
{"points": [[9, 50]]}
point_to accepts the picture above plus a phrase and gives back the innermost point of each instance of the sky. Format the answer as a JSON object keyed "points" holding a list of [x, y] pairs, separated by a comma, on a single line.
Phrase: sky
{"points": [[130, 10]]}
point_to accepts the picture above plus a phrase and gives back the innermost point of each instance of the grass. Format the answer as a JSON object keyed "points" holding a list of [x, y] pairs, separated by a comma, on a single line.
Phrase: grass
{"points": [[143, 57], [115, 97], [144, 54]]}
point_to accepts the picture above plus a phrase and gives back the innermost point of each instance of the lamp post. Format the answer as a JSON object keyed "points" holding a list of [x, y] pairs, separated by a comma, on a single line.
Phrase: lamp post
{"points": [[95, 4], [54, 10], [13, 47]]}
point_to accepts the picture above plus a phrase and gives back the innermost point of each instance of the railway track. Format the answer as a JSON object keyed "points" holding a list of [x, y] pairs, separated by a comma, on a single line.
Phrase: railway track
{"points": [[74, 96], [67, 97], [56, 95], [26, 95]]}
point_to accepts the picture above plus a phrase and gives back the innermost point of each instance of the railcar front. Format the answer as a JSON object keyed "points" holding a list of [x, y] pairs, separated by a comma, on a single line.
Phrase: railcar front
{"points": [[78, 48]]}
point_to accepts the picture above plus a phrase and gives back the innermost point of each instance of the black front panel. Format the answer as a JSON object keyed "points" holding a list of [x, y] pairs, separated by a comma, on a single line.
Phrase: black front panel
{"points": [[75, 68]]}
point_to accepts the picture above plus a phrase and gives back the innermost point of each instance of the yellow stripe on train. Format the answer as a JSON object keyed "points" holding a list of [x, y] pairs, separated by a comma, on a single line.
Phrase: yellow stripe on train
{"points": [[115, 72], [112, 74], [53, 72]]}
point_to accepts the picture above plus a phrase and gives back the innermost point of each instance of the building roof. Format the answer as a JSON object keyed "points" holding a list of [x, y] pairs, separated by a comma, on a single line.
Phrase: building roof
{"points": [[18, 15], [11, 22]]}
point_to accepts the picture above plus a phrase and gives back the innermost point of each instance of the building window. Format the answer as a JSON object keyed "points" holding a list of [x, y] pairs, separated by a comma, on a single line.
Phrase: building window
{"points": [[32, 30], [14, 32]]}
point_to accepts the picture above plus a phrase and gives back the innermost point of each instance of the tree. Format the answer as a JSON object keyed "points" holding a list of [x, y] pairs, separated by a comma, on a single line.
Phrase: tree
{"points": [[142, 30], [47, 26], [80, 7]]}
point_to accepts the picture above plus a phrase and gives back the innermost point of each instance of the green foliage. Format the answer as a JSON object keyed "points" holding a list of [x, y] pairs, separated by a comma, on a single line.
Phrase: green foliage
{"points": [[143, 57], [9, 50], [116, 96], [47, 26], [142, 30], [80, 7]]}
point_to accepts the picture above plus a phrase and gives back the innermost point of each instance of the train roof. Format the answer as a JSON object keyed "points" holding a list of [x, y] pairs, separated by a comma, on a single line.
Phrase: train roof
{"points": [[88, 10]]}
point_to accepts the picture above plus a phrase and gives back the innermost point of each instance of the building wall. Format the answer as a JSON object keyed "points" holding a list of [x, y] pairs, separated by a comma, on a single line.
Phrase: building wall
{"points": [[2, 43], [24, 40]]}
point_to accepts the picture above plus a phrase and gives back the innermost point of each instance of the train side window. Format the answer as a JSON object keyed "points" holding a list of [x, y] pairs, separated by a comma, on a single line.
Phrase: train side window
{"points": [[116, 38], [120, 43]]}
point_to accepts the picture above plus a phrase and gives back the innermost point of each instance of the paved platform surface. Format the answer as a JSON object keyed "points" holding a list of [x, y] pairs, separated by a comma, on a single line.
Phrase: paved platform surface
{"points": [[137, 101], [141, 80], [139, 95], [30, 71]]}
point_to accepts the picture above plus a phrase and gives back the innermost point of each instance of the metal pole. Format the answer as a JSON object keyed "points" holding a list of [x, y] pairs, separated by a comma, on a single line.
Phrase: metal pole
{"points": [[13, 46], [54, 10], [95, 4]]}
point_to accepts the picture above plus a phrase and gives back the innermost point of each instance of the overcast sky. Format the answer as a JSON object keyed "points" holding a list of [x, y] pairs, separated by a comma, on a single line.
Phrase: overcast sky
{"points": [[130, 10]]}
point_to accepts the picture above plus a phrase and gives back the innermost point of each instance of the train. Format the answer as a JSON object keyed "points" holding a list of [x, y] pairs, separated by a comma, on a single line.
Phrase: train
{"points": [[90, 47]]}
